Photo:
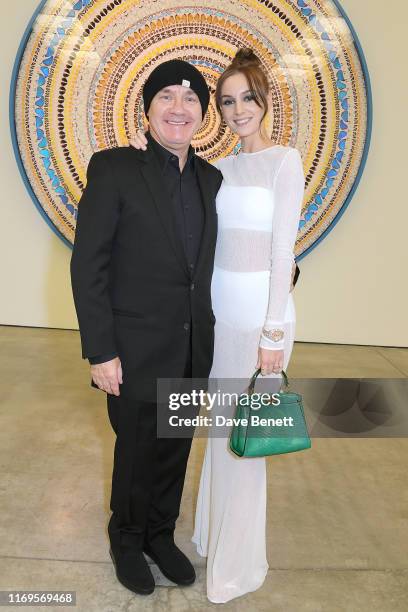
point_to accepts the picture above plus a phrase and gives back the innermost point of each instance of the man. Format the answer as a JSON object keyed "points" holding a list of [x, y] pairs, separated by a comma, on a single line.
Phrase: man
{"points": [[141, 273]]}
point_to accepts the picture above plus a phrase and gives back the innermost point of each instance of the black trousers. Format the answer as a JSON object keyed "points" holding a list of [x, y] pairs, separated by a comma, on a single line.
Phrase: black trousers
{"points": [[148, 473]]}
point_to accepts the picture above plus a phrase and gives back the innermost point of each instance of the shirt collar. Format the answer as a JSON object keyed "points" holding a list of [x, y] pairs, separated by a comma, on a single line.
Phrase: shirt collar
{"points": [[164, 156]]}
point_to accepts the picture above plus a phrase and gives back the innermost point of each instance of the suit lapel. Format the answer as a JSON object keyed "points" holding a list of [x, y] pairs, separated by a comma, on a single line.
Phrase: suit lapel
{"points": [[204, 184], [151, 172]]}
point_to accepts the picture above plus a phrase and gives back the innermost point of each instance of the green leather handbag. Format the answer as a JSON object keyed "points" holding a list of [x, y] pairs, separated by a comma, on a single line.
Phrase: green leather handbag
{"points": [[269, 426]]}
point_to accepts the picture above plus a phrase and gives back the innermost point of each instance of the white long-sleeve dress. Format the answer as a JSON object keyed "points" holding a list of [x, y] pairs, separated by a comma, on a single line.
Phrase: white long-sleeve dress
{"points": [[258, 207]]}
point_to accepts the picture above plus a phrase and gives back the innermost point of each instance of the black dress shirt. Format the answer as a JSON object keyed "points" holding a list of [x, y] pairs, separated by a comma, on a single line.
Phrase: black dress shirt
{"points": [[185, 199]]}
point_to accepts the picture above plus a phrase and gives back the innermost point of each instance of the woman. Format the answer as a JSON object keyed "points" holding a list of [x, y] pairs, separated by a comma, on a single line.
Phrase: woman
{"points": [[258, 206]]}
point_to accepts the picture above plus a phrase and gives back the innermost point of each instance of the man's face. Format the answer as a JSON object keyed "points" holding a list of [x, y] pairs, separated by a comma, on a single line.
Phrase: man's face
{"points": [[175, 115]]}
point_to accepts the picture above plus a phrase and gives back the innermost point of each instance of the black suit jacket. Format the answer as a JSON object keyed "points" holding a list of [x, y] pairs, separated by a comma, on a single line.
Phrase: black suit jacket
{"points": [[133, 291]]}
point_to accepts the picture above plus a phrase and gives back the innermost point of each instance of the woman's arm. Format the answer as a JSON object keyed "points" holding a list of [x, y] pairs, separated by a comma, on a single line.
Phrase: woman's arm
{"points": [[288, 197]]}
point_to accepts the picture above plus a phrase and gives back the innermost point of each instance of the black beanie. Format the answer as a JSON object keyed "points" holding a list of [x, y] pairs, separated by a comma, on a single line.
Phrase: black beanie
{"points": [[176, 72]]}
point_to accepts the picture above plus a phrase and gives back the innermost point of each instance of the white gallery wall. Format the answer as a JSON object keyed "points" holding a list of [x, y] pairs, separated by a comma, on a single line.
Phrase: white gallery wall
{"points": [[352, 287]]}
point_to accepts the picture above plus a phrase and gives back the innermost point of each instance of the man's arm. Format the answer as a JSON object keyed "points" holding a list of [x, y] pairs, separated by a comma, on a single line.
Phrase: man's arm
{"points": [[101, 358], [98, 215]]}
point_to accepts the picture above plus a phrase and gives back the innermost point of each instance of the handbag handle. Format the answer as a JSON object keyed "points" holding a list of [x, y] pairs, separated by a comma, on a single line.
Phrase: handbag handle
{"points": [[251, 386]]}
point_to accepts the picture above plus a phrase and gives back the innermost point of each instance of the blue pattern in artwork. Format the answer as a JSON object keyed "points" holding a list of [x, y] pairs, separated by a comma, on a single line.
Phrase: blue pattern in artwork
{"points": [[42, 142], [312, 207]]}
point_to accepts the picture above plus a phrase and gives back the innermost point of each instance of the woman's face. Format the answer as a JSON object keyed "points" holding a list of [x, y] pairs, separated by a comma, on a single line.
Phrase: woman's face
{"points": [[239, 110]]}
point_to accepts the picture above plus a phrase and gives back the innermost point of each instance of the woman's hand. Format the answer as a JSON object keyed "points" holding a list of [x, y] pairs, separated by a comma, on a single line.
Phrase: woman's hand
{"points": [[270, 361], [138, 140]]}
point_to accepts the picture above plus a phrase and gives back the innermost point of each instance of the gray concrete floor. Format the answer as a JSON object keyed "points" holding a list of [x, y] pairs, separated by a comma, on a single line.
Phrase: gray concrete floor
{"points": [[337, 514]]}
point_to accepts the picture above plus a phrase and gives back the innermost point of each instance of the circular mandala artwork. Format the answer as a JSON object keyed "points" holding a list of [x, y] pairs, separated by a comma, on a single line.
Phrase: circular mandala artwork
{"points": [[81, 65]]}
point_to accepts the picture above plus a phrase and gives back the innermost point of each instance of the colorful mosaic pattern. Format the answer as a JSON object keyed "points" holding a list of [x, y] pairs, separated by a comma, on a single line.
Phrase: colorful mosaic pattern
{"points": [[81, 66]]}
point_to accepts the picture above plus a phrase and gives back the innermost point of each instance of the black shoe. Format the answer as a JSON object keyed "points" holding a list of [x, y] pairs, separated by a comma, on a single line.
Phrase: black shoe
{"points": [[171, 561], [132, 570]]}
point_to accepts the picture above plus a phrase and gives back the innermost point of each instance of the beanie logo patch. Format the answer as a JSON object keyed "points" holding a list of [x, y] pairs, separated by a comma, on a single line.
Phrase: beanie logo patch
{"points": [[185, 83]]}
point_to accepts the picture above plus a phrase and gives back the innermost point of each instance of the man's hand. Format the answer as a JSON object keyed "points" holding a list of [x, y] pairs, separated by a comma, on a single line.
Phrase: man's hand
{"points": [[292, 286], [138, 140], [108, 376]]}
